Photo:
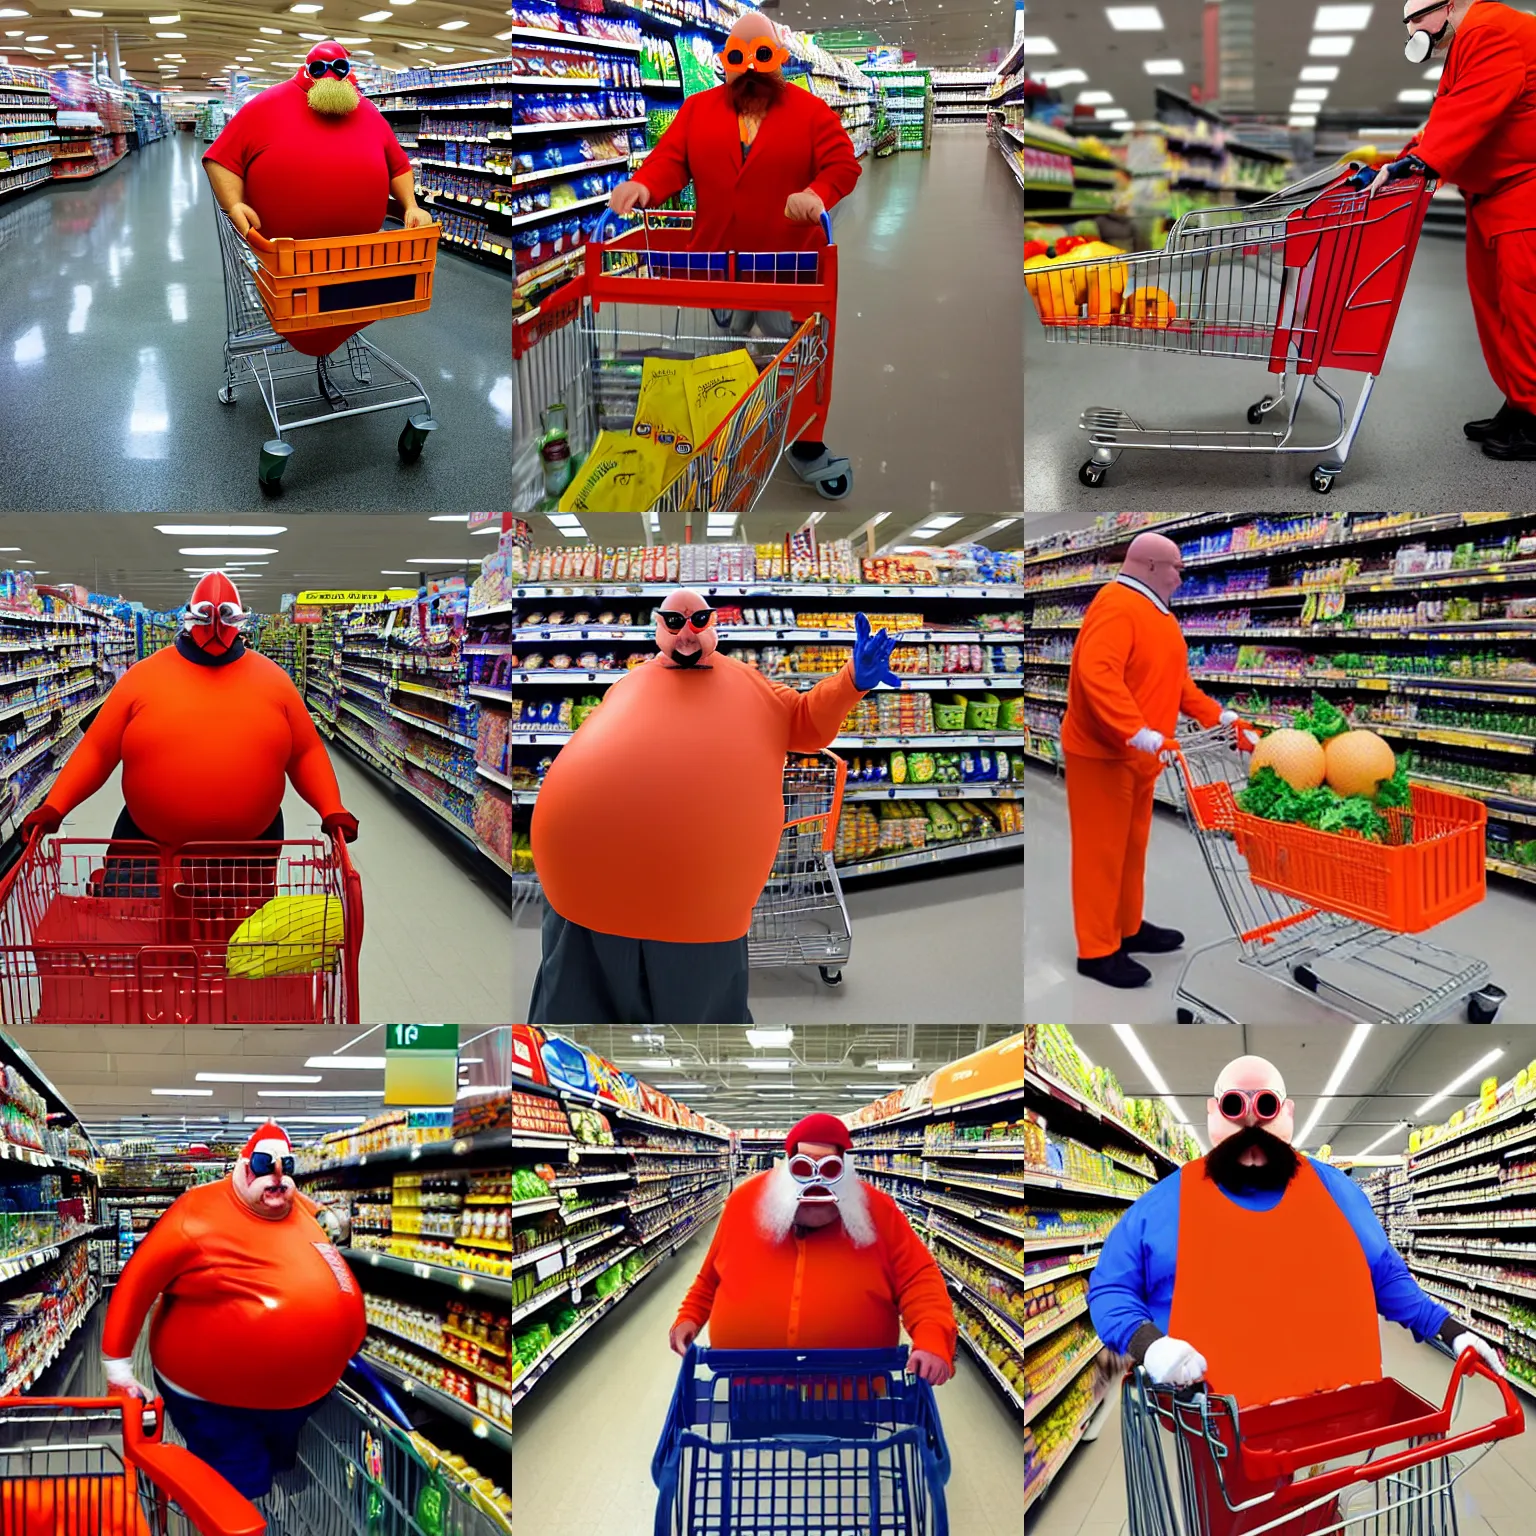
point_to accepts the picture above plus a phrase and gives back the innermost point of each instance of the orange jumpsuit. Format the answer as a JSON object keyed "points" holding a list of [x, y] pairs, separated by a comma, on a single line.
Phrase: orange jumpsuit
{"points": [[1481, 135], [1130, 668], [661, 816], [204, 749], [819, 1291], [253, 1313]]}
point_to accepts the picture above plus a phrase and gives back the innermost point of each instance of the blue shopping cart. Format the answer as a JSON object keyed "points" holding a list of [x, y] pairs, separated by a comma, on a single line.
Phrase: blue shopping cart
{"points": [[770, 1442]]}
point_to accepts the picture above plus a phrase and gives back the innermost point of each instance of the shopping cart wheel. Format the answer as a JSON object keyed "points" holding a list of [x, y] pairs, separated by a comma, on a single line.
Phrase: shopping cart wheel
{"points": [[1322, 480], [274, 460], [1092, 473], [1257, 413], [1305, 976], [1483, 1005], [831, 977], [837, 487], [226, 395], [1184, 1015], [413, 437]]}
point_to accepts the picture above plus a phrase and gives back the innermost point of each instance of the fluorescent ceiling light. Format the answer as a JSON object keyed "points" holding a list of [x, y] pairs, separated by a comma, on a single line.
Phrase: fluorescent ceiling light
{"points": [[1040, 48], [1059, 79], [1320, 74], [683, 1087], [894, 1066], [447, 560], [376, 16], [319, 1093], [1331, 47], [1396, 1130], [253, 1077], [252, 530], [305, 9], [1310, 93], [1110, 114], [347, 1063], [90, 15], [271, 31], [313, 37], [1134, 18], [449, 517], [165, 21], [1335, 1081], [1342, 18], [1164, 66], [170, 34], [182, 1093], [309, 1119], [1416, 95], [770, 1039], [1301, 121], [1432, 73], [1481, 1064], [8, 12], [1084, 99], [652, 1063], [1139, 1054], [223, 549], [766, 1065], [452, 26]]}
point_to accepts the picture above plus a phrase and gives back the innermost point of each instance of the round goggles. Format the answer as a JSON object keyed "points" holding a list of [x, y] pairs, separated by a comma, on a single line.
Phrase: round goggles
{"points": [[263, 1163], [675, 621], [341, 68], [762, 56], [804, 1169], [226, 613], [1236, 1103]]}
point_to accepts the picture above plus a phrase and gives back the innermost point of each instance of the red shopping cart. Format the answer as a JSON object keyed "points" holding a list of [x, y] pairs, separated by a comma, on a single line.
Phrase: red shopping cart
{"points": [[1369, 1460], [99, 1467], [98, 932], [1308, 279], [647, 293]]}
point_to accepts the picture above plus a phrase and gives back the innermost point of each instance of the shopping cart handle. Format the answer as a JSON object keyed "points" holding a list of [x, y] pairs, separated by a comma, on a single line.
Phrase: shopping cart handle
{"points": [[826, 226], [384, 1397], [607, 217]]}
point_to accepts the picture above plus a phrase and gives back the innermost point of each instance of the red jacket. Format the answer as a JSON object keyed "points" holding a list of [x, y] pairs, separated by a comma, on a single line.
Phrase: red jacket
{"points": [[801, 146], [1481, 132]]}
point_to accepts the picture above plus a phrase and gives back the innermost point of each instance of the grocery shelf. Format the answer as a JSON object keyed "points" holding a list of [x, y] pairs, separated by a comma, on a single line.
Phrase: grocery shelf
{"points": [[455, 1408], [466, 1281], [27, 1372], [447, 1150], [1007, 1387], [33, 1258], [1043, 1478], [1047, 1394], [961, 848]]}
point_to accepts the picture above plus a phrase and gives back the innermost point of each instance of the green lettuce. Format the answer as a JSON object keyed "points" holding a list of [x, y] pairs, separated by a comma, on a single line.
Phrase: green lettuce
{"points": [[1323, 720]]}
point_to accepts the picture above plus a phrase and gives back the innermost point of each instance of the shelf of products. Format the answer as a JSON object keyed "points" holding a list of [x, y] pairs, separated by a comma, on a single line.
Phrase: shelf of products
{"points": [[906, 103], [960, 96], [1066, 180], [933, 767], [1418, 627], [28, 127], [95, 123]]}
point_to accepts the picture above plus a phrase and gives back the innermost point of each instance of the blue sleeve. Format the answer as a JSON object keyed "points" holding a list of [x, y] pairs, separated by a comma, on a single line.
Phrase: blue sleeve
{"points": [[1399, 1297], [1132, 1283]]}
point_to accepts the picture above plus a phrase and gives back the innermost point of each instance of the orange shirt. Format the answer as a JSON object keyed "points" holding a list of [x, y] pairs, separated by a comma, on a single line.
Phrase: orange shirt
{"points": [[661, 816], [819, 1291], [1130, 668], [204, 749], [253, 1313]]}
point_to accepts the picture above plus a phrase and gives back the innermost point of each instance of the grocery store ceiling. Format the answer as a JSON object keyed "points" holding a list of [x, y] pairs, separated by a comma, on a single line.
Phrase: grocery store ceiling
{"points": [[1395, 1073], [1369, 77], [176, 47], [996, 530], [128, 557], [951, 33], [107, 1076], [717, 1070]]}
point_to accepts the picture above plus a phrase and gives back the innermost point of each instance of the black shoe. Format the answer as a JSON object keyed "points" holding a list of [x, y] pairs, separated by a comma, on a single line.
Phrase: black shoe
{"points": [[1516, 441], [1491, 426], [1149, 939], [1116, 970]]}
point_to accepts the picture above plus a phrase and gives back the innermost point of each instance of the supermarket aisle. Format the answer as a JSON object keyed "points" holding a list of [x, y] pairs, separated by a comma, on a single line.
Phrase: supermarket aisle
{"points": [[1410, 453], [1180, 893], [435, 930], [584, 1440], [112, 329], [1493, 1498], [927, 388], [921, 950]]}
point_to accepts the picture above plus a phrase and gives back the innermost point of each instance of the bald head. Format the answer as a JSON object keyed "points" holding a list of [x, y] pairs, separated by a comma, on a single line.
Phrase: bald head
{"points": [[1249, 1075], [1154, 560], [751, 26]]}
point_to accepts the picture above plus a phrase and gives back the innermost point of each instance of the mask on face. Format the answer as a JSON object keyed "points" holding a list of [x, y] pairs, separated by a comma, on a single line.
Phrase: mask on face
{"points": [[214, 616], [1421, 44]]}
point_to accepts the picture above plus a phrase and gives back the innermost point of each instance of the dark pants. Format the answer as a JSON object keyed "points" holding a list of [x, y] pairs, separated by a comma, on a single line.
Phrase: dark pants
{"points": [[597, 978], [141, 877], [245, 1445]]}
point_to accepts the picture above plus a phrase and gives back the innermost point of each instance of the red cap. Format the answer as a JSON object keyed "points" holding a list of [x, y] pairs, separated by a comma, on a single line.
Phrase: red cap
{"points": [[826, 1129], [267, 1132]]}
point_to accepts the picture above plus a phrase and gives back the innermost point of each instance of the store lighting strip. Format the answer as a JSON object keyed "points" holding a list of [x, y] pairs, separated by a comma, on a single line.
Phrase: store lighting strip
{"points": [[1396, 1130], [1144, 1061], [1461, 1080], [1352, 1048]]}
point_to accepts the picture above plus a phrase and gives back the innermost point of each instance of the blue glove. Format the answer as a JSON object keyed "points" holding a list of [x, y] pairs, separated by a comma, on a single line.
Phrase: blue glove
{"points": [[871, 657], [1409, 165]]}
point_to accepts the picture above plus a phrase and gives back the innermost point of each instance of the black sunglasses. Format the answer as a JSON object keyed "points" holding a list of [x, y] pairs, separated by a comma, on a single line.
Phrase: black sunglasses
{"points": [[263, 1163], [341, 68], [736, 56], [675, 621]]}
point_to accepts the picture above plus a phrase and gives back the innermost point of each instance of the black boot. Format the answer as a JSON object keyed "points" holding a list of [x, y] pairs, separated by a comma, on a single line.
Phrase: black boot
{"points": [[1149, 939], [1116, 970], [1491, 426], [1516, 440]]}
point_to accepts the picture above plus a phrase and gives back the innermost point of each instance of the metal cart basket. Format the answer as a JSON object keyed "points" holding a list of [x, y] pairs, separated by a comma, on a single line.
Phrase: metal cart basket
{"points": [[1330, 913], [95, 932], [817, 1443], [646, 293], [801, 918], [276, 288], [1308, 1466], [1308, 279]]}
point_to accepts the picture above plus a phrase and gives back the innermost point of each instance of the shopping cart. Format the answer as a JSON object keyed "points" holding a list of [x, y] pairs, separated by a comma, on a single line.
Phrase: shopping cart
{"points": [[277, 288], [99, 1467], [1331, 913], [801, 918], [95, 932], [1238, 1468], [647, 294], [816, 1443], [1308, 279]]}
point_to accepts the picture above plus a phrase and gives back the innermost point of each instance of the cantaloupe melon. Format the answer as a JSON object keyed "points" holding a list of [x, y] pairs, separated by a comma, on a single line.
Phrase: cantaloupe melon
{"points": [[1297, 756], [1356, 762]]}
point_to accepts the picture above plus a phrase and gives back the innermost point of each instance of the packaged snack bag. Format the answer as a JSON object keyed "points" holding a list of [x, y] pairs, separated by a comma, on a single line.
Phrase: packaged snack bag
{"points": [[662, 412], [715, 384], [617, 477]]}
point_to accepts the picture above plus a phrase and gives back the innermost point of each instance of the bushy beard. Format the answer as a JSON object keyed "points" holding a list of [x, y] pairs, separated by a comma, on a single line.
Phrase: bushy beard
{"points": [[333, 97], [779, 1204], [1223, 1162], [753, 93]]}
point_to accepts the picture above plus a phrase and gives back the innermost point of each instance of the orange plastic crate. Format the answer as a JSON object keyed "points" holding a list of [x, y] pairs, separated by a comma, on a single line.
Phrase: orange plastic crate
{"points": [[307, 285], [1432, 867]]}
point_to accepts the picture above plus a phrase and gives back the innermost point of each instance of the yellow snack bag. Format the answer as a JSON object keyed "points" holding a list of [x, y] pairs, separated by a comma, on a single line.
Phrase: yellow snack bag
{"points": [[289, 936], [618, 476], [663, 463], [715, 385], [662, 412]]}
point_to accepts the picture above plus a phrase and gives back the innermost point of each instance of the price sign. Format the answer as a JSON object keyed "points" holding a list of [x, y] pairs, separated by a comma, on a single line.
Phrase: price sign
{"points": [[550, 1264], [421, 1065]]}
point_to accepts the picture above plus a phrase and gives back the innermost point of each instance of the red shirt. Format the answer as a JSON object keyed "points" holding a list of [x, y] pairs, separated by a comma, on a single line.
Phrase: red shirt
{"points": [[1481, 132], [801, 146], [306, 174], [253, 1313]]}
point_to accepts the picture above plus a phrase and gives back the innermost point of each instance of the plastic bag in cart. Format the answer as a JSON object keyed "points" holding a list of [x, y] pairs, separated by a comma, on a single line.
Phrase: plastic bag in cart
{"points": [[716, 385], [623, 473], [289, 936]]}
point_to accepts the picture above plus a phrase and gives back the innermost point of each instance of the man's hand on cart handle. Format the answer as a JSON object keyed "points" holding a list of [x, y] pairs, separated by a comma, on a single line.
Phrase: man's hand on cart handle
{"points": [[1465, 1341], [1173, 1363], [683, 1334], [1394, 170], [872, 656], [120, 1375], [41, 822], [343, 822], [804, 207], [1247, 735], [934, 1369], [244, 217], [628, 196], [1147, 740]]}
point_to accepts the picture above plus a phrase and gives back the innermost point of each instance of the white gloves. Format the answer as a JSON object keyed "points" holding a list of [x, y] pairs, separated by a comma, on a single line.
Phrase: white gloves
{"points": [[1174, 1363], [120, 1374], [1147, 740], [1470, 1341]]}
